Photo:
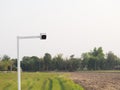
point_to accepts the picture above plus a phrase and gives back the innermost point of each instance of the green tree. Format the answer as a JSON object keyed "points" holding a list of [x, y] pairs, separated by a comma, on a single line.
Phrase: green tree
{"points": [[74, 63], [58, 62], [85, 60], [93, 60], [47, 61], [92, 63], [5, 63], [35, 61], [25, 64], [5, 58], [111, 60]]}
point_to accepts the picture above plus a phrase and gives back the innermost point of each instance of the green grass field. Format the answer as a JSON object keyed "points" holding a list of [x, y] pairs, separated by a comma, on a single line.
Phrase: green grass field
{"points": [[38, 81]]}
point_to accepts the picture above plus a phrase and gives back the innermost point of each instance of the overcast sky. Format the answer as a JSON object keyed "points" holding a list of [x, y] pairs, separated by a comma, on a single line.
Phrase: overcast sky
{"points": [[72, 26]]}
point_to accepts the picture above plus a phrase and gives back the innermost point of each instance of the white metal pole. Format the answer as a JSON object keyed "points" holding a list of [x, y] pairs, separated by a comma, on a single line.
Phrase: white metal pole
{"points": [[18, 65], [18, 60]]}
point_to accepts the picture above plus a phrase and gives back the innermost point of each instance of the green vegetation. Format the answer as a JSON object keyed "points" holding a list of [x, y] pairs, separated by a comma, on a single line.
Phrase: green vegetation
{"points": [[38, 81], [92, 60]]}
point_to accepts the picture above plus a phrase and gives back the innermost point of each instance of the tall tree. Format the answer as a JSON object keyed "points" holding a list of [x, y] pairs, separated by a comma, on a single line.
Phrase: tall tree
{"points": [[58, 62], [5, 58], [85, 59], [94, 59], [111, 60], [35, 63], [25, 64], [47, 61]]}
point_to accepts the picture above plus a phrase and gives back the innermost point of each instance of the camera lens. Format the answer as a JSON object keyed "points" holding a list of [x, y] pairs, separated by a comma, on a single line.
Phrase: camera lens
{"points": [[43, 36]]}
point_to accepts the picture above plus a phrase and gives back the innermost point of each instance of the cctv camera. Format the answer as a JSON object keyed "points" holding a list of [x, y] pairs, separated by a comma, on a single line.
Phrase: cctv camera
{"points": [[43, 36]]}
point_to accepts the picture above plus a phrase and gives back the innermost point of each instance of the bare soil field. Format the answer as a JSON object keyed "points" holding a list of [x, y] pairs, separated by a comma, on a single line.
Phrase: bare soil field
{"points": [[97, 80]]}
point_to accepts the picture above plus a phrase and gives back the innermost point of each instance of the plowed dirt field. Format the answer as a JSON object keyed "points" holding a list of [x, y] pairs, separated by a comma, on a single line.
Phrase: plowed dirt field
{"points": [[97, 80]]}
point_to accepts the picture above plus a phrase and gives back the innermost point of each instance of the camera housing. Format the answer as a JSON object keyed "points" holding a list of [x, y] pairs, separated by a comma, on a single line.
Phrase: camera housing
{"points": [[43, 36]]}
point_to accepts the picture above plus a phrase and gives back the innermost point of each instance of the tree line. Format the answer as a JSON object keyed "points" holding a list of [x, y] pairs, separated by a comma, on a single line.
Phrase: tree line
{"points": [[92, 60]]}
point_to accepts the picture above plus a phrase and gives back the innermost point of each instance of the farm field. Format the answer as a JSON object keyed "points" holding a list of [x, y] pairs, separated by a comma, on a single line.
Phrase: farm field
{"points": [[90, 80], [97, 80], [38, 81]]}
